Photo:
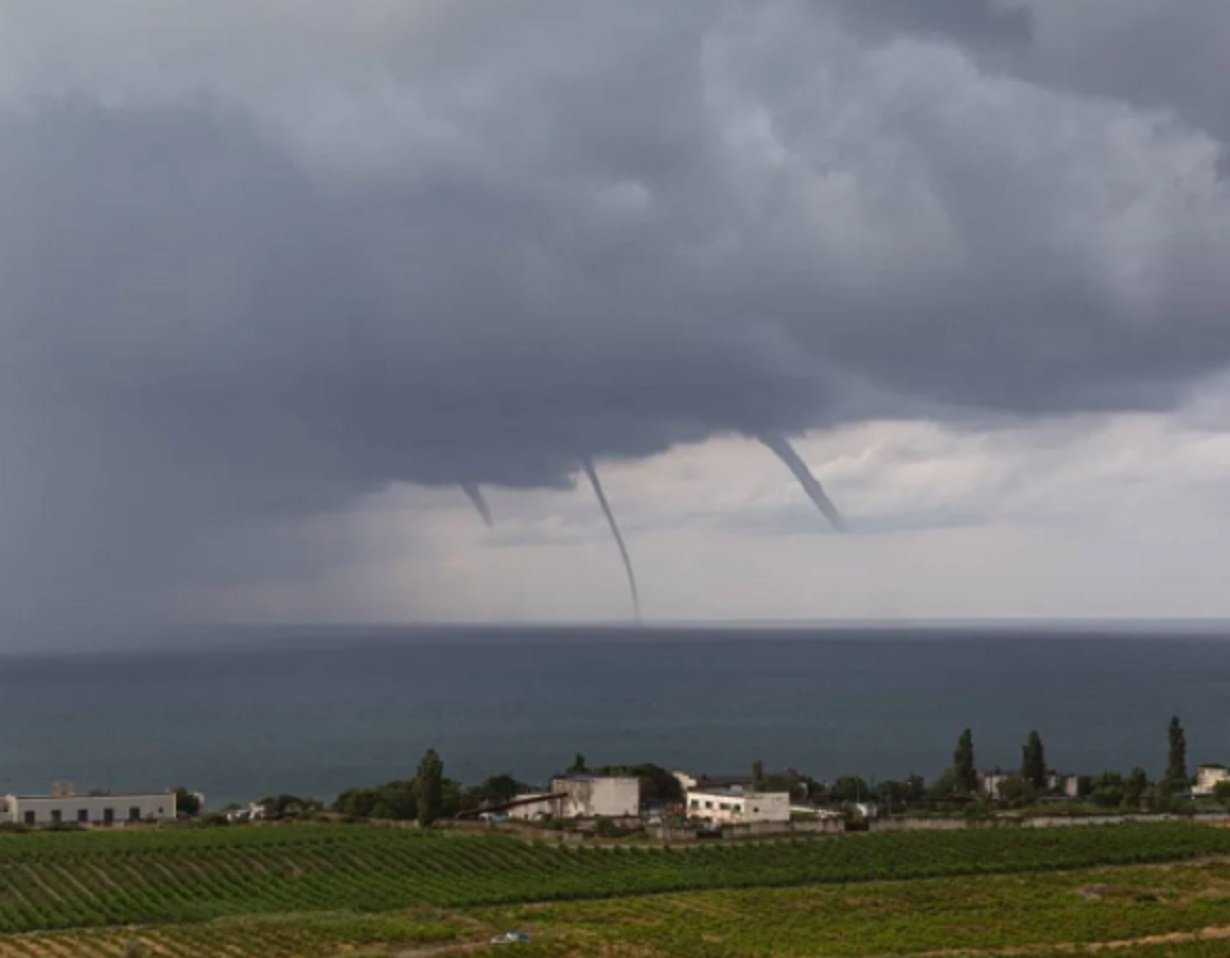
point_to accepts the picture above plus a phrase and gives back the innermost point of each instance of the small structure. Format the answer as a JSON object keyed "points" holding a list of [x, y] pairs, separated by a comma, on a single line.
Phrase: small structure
{"points": [[736, 805], [1208, 777], [990, 783], [254, 812], [1066, 784], [69, 808]]}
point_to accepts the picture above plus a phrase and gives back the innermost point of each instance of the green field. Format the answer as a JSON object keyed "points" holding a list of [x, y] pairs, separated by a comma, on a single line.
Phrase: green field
{"points": [[323, 890]]}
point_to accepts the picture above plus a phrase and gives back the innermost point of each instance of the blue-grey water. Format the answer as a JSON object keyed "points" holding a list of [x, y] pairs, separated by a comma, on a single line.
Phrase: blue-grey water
{"points": [[315, 711]]}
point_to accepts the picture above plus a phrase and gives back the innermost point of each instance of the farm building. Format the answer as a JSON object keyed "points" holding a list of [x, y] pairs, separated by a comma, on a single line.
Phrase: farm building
{"points": [[73, 809], [592, 796], [1208, 777], [582, 796], [734, 805]]}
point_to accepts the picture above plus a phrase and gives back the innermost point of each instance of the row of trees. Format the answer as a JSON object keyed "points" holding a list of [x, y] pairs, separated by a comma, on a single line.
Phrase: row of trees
{"points": [[960, 783], [1108, 788], [430, 795]]}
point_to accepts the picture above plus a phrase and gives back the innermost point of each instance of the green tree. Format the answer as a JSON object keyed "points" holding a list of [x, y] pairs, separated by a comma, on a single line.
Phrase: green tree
{"points": [[1033, 762], [187, 803], [497, 790], [1176, 757], [1221, 792], [850, 788], [1135, 789], [429, 787], [578, 765], [757, 772], [964, 773], [1108, 790], [1015, 791], [395, 800]]}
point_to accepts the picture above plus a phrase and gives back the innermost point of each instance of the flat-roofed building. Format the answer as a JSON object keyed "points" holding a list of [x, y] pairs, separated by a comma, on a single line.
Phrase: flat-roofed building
{"points": [[735, 805], [41, 810]]}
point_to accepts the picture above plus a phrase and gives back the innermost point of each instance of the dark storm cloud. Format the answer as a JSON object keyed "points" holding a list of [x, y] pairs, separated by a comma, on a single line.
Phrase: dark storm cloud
{"points": [[480, 250]]}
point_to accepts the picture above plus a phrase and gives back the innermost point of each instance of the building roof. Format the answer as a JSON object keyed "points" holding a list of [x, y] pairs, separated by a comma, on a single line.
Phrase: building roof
{"points": [[79, 795], [733, 792]]}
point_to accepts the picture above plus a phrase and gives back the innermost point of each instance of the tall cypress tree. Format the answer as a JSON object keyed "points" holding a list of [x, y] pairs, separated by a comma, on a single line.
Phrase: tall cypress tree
{"points": [[1033, 761], [1176, 757], [963, 771], [429, 783]]}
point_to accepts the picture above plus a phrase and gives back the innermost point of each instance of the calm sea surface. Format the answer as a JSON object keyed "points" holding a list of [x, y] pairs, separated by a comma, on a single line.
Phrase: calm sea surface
{"points": [[315, 711]]}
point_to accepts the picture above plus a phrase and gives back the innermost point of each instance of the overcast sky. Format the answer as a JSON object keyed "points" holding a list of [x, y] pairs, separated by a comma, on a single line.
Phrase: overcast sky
{"points": [[277, 278]]}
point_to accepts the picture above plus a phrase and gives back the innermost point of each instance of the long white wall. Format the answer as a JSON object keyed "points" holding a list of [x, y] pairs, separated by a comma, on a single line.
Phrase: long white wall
{"points": [[89, 809]]}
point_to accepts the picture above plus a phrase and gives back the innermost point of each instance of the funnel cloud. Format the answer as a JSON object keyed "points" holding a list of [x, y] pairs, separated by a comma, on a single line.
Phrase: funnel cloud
{"points": [[588, 466], [263, 262], [811, 485], [479, 501]]}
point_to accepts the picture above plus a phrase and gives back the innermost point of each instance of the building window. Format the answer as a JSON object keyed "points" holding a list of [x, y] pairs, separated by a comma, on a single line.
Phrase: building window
{"points": [[29, 818], [108, 816], [57, 816], [83, 816], [134, 814]]}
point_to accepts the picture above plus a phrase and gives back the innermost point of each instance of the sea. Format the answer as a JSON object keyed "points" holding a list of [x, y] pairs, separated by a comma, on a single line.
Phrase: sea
{"points": [[242, 713]]}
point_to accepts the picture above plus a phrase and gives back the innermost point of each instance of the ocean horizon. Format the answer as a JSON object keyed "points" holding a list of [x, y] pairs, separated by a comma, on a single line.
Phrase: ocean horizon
{"points": [[241, 712]]}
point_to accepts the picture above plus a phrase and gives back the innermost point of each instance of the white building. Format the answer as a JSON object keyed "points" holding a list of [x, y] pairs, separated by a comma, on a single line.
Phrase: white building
{"points": [[88, 809], [732, 806], [591, 796], [581, 796], [1208, 777]]}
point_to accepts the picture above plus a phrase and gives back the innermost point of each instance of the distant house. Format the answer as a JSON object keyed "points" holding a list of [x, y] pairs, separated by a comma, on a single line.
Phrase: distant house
{"points": [[736, 805], [72, 809], [689, 782], [254, 812], [1067, 784], [1208, 777], [989, 783]]}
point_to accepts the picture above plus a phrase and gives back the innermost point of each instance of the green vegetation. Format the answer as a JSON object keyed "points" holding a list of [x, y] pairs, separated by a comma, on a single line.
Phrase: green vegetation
{"points": [[1176, 777], [429, 788], [892, 918], [62, 880], [1033, 762], [300, 890]]}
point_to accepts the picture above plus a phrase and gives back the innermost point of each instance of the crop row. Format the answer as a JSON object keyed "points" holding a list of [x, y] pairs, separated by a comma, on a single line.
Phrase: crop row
{"points": [[178, 876]]}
